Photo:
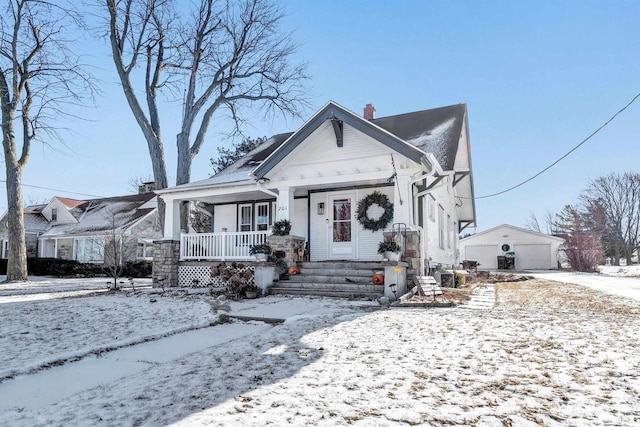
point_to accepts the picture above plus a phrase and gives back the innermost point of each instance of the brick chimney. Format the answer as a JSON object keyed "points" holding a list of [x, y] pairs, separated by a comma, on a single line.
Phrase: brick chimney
{"points": [[369, 112], [146, 187]]}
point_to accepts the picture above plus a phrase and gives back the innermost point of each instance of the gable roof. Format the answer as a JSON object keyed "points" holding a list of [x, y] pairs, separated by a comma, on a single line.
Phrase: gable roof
{"points": [[100, 216], [69, 203], [333, 111], [524, 230], [414, 134]]}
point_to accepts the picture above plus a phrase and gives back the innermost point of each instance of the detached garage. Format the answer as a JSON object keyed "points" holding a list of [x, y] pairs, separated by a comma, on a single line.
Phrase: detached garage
{"points": [[533, 251]]}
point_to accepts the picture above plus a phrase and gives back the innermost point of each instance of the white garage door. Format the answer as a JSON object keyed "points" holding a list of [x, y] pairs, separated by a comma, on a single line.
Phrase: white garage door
{"points": [[531, 257], [486, 255]]}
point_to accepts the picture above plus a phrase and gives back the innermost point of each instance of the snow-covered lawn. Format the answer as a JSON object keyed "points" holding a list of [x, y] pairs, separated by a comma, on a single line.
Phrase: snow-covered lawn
{"points": [[33, 334], [546, 354], [621, 271]]}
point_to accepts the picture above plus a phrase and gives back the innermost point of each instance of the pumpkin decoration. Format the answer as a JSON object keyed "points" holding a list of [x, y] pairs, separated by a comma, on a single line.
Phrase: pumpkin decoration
{"points": [[294, 270], [378, 279]]}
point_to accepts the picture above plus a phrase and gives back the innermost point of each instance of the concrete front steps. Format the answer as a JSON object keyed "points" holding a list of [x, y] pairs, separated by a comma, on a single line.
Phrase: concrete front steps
{"points": [[346, 279]]}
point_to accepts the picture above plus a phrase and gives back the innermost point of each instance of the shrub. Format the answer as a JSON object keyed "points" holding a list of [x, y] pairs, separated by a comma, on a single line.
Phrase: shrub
{"points": [[138, 269], [459, 278]]}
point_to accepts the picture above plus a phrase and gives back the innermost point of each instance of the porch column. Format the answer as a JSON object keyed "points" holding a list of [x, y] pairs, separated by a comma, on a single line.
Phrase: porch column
{"points": [[285, 203], [172, 219], [401, 212]]}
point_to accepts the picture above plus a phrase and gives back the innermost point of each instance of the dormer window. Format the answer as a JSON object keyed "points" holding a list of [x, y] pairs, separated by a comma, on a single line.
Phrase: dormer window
{"points": [[54, 214]]}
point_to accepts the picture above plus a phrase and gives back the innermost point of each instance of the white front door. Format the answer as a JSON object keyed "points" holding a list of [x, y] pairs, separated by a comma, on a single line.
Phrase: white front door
{"points": [[49, 248], [342, 237]]}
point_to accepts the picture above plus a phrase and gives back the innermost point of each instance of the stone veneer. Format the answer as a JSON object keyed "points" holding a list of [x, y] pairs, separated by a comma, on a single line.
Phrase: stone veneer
{"points": [[410, 250], [287, 244], [166, 254]]}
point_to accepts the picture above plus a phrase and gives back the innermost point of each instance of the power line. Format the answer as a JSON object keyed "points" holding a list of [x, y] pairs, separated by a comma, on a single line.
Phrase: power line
{"points": [[57, 189], [561, 158]]}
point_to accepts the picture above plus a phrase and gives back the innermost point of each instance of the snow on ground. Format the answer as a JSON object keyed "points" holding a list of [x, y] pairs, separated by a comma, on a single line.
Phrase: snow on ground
{"points": [[46, 284], [547, 353], [621, 271], [627, 287], [33, 334]]}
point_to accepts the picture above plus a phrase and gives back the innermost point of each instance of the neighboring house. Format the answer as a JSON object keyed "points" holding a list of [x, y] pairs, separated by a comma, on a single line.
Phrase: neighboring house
{"points": [[35, 224], [82, 232], [315, 177], [532, 250], [79, 229]]}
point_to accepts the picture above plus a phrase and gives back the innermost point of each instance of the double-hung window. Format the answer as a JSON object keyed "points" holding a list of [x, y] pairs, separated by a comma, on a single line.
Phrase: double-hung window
{"points": [[245, 218], [145, 250], [441, 227], [262, 216]]}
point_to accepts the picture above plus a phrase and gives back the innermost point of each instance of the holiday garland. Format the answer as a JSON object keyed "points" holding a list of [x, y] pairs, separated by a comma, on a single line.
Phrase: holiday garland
{"points": [[375, 198]]}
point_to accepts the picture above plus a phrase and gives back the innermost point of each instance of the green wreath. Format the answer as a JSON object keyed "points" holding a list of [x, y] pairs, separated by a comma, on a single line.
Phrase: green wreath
{"points": [[381, 200]]}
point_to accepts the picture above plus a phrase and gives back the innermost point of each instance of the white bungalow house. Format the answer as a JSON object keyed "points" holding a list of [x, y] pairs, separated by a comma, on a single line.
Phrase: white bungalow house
{"points": [[317, 176]]}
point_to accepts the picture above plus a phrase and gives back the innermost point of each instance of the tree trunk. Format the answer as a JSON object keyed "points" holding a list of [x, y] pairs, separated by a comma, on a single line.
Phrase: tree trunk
{"points": [[17, 262], [183, 175]]}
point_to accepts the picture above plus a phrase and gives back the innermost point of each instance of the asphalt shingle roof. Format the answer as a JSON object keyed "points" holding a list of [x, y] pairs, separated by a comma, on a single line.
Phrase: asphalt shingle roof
{"points": [[99, 216], [435, 131]]}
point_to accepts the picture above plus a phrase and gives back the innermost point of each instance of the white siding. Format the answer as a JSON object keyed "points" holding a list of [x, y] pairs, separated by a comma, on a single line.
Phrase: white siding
{"points": [[64, 216], [319, 228], [532, 250], [319, 161], [367, 240], [224, 216], [321, 153], [486, 255], [299, 219], [443, 195]]}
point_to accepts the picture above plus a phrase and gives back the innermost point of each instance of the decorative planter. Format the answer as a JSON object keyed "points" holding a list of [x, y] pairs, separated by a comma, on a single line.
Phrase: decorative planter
{"points": [[251, 294], [392, 256], [261, 257]]}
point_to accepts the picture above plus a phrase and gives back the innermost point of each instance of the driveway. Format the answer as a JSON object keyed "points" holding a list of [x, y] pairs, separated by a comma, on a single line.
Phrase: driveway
{"points": [[627, 287]]}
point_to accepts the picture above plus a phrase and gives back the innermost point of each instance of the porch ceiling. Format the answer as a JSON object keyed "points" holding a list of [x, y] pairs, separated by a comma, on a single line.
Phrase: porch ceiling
{"points": [[232, 198], [218, 197]]}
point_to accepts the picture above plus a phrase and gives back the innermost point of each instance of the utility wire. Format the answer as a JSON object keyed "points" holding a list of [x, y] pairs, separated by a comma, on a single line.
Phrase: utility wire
{"points": [[561, 158], [57, 189]]}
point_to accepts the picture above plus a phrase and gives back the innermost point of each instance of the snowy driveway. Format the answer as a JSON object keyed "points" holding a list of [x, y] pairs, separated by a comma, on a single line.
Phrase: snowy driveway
{"points": [[627, 287]]}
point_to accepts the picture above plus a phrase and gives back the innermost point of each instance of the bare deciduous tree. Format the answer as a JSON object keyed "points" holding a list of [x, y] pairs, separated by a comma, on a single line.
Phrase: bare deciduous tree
{"points": [[583, 245], [617, 196], [217, 55], [39, 79], [115, 250], [545, 226]]}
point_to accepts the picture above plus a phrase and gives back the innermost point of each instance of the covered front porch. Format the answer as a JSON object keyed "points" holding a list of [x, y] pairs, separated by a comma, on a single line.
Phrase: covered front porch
{"points": [[323, 223]]}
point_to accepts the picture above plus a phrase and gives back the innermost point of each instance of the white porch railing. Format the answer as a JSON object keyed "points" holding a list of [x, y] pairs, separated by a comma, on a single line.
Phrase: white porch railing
{"points": [[220, 246]]}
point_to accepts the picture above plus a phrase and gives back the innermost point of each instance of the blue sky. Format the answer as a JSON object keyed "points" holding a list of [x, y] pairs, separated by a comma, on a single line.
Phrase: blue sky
{"points": [[537, 78]]}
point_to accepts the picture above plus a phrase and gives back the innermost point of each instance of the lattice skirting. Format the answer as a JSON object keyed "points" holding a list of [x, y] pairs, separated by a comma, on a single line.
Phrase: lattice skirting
{"points": [[202, 276]]}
